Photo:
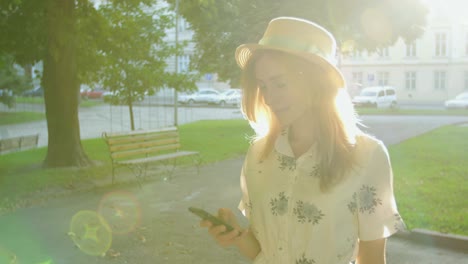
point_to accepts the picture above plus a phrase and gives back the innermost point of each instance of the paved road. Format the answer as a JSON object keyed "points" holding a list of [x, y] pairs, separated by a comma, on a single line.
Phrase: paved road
{"points": [[394, 129], [95, 120]]}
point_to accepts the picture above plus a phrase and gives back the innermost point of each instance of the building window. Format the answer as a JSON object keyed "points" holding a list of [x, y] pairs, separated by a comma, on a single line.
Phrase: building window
{"points": [[410, 80], [411, 49], [357, 78], [183, 63], [439, 80], [382, 78], [383, 52], [356, 54], [441, 44]]}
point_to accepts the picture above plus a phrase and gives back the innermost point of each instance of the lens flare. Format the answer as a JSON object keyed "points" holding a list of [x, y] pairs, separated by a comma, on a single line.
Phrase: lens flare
{"points": [[91, 233], [377, 25], [121, 210]]}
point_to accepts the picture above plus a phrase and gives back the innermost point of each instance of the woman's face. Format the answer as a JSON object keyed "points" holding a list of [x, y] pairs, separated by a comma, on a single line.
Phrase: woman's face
{"points": [[282, 89]]}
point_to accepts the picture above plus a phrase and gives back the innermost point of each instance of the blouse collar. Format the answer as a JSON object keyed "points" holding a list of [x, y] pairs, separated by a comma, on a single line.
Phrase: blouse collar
{"points": [[282, 145]]}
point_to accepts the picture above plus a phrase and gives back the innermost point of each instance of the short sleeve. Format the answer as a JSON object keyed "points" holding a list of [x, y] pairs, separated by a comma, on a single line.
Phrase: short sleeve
{"points": [[376, 206], [244, 204]]}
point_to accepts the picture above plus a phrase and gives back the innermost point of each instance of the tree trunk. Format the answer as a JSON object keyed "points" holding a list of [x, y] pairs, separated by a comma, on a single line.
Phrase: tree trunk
{"points": [[61, 88], [28, 72], [130, 110]]}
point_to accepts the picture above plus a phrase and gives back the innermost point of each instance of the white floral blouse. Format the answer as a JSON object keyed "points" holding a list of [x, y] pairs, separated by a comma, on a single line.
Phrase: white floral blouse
{"points": [[296, 223]]}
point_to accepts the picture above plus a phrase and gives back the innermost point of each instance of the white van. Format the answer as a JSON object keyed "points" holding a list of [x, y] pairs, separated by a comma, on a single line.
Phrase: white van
{"points": [[377, 96]]}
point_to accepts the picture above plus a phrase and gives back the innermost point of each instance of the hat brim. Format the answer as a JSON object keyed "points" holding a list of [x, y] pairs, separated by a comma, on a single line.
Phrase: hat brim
{"points": [[244, 53]]}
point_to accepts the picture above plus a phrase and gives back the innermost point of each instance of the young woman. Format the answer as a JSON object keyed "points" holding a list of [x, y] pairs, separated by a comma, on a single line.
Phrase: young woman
{"points": [[316, 189]]}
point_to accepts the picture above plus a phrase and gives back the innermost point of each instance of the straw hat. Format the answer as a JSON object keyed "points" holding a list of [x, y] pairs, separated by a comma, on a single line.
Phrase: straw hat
{"points": [[298, 37]]}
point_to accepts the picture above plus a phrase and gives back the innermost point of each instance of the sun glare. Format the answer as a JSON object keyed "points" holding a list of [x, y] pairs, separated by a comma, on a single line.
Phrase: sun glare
{"points": [[448, 8]]}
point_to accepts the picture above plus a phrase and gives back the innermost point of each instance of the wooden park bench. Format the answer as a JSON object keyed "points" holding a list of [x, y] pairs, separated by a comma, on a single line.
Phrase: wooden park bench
{"points": [[137, 149], [8, 145]]}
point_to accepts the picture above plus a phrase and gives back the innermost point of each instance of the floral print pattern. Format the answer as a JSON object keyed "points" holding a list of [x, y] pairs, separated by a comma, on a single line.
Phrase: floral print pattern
{"points": [[279, 205], [297, 223], [304, 260], [248, 206], [315, 171], [286, 162], [352, 206], [306, 212], [350, 245], [367, 200]]}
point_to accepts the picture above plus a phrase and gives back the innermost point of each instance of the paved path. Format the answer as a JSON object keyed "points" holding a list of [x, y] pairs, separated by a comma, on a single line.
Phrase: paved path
{"points": [[167, 233]]}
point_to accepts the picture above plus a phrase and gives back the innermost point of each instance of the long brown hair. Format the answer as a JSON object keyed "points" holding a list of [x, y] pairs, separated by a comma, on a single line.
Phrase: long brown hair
{"points": [[332, 108]]}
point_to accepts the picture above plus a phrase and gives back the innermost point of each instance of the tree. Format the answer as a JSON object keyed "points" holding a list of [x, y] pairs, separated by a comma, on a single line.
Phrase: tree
{"points": [[134, 36], [70, 37], [220, 26], [11, 82]]}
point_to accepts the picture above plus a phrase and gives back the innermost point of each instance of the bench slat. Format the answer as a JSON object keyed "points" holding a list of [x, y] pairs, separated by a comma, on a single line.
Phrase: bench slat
{"points": [[142, 132], [10, 144], [140, 137], [159, 157], [145, 144], [138, 147], [18, 143], [29, 141], [132, 153]]}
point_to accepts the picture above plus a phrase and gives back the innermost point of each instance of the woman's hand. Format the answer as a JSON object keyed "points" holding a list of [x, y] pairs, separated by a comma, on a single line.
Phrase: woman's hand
{"points": [[219, 233]]}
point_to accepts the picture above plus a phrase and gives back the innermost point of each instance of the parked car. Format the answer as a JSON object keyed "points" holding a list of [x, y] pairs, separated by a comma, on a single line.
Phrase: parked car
{"points": [[377, 96], [460, 101], [230, 97], [92, 93], [209, 96], [38, 91], [114, 97]]}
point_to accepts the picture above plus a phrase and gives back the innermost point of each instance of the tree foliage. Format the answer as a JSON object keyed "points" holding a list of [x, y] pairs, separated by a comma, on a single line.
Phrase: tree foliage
{"points": [[118, 44], [133, 51], [10, 79], [220, 26], [11, 82]]}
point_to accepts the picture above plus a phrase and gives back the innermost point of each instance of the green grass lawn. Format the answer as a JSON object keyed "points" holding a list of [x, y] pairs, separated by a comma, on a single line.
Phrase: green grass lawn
{"points": [[431, 175], [10, 118], [430, 171], [40, 100], [29, 100]]}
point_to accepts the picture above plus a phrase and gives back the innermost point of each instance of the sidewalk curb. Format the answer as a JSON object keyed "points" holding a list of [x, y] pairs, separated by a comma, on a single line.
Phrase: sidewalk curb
{"points": [[436, 239]]}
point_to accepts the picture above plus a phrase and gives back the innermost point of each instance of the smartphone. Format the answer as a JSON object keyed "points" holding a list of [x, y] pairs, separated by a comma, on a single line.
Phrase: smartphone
{"points": [[213, 219]]}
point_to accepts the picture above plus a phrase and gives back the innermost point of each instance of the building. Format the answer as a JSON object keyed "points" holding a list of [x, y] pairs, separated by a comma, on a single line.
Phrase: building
{"points": [[184, 33], [428, 70]]}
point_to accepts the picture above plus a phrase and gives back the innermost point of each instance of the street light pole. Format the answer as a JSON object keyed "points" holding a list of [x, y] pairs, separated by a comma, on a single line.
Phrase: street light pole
{"points": [[176, 69]]}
